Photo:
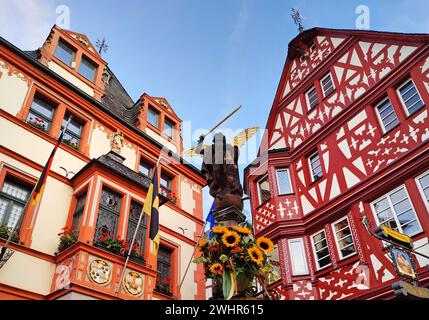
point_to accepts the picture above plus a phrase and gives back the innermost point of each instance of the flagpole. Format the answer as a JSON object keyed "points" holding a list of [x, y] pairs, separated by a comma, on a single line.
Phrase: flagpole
{"points": [[195, 249], [133, 240], [9, 239]]}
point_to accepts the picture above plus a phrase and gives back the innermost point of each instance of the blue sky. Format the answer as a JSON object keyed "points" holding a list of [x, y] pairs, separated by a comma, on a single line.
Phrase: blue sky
{"points": [[204, 56]]}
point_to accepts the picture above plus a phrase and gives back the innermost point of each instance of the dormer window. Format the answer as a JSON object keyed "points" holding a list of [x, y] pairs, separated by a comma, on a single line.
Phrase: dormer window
{"points": [[153, 117], [168, 128], [87, 69], [65, 53]]}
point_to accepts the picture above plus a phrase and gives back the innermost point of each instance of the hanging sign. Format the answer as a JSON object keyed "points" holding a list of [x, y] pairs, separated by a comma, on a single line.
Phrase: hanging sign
{"points": [[403, 263], [394, 236], [404, 289]]}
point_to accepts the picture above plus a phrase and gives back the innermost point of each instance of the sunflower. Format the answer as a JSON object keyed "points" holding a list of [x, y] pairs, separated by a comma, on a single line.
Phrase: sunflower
{"points": [[242, 230], [255, 255], [265, 244], [230, 238], [220, 229], [216, 268], [202, 244]]}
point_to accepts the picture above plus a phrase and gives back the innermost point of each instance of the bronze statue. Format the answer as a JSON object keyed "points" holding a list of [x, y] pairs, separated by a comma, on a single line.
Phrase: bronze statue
{"points": [[220, 167]]}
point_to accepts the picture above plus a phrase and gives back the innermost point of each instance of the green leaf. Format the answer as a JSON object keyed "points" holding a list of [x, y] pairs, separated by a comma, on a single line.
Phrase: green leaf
{"points": [[228, 284]]}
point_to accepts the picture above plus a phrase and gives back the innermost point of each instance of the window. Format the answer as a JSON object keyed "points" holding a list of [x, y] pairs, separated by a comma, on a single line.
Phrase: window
{"points": [[312, 47], [344, 238], [65, 53], [145, 169], [168, 128], [166, 184], [153, 117], [410, 97], [312, 99], [73, 133], [163, 280], [78, 211], [41, 114], [108, 213], [395, 211], [297, 256], [135, 211], [302, 57], [284, 182], [87, 68], [423, 183], [315, 166], [13, 197], [321, 251], [327, 84], [387, 115], [264, 190]]}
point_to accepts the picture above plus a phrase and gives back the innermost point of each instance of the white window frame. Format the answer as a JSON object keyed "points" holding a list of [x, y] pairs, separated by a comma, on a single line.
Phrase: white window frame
{"points": [[308, 100], [313, 247], [333, 84], [387, 195], [421, 189], [290, 181], [400, 95], [311, 168], [379, 116], [340, 254], [259, 189], [304, 254]]}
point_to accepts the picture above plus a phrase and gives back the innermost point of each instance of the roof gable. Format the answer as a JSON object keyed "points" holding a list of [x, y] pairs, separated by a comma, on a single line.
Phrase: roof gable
{"points": [[356, 63]]}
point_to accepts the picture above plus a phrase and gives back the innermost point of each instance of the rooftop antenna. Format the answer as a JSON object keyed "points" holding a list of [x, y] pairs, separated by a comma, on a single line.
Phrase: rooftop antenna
{"points": [[297, 19], [102, 46]]}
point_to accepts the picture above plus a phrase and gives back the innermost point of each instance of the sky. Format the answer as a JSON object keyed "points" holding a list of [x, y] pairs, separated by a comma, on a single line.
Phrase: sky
{"points": [[205, 57]]}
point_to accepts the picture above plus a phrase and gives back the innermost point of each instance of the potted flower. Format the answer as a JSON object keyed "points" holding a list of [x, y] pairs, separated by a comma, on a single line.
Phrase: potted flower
{"points": [[164, 286], [235, 258], [112, 243], [136, 254], [6, 231], [71, 143], [68, 237], [171, 196], [38, 123]]}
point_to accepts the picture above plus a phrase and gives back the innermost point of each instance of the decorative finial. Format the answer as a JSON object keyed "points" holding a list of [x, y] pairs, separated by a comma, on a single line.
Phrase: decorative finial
{"points": [[102, 46], [297, 19]]}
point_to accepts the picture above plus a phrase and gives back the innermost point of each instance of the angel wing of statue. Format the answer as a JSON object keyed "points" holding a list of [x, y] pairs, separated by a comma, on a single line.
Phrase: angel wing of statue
{"points": [[238, 141]]}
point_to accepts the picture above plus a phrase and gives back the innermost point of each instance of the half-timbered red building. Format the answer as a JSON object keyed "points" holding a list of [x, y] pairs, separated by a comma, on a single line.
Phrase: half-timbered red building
{"points": [[347, 138]]}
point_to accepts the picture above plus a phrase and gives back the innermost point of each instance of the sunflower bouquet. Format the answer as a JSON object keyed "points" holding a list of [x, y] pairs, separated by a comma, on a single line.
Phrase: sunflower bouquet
{"points": [[234, 257]]}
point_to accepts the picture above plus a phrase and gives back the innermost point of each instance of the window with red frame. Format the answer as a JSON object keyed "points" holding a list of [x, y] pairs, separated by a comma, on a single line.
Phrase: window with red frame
{"points": [[41, 113], [13, 197], [163, 280]]}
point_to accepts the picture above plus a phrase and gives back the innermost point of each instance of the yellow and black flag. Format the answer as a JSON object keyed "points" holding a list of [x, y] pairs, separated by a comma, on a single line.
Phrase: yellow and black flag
{"points": [[150, 208]]}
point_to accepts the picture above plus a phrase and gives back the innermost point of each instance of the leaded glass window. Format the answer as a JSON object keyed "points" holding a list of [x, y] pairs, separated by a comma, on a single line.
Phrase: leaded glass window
{"points": [[163, 280], [135, 211], [13, 197], [108, 213]]}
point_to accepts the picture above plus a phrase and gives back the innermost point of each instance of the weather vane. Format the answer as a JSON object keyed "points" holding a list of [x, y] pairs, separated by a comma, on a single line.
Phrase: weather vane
{"points": [[297, 19], [102, 46]]}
